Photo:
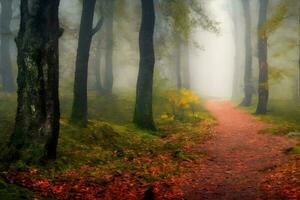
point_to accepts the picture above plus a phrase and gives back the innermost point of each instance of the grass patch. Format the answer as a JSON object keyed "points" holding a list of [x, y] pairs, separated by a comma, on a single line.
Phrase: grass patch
{"points": [[111, 144], [13, 192], [284, 115]]}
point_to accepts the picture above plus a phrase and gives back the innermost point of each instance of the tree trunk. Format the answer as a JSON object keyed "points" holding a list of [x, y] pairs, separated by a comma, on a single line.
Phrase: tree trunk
{"points": [[108, 79], [186, 71], [263, 84], [37, 120], [248, 85], [298, 78], [236, 90], [178, 62], [143, 116], [8, 82], [97, 68], [79, 111]]}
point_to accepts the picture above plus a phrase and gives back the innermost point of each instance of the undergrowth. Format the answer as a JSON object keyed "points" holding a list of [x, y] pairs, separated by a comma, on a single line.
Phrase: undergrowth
{"points": [[111, 144]]}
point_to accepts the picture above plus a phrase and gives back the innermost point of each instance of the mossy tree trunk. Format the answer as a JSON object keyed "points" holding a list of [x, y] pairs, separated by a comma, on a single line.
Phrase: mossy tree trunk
{"points": [[8, 82], [263, 84], [143, 116], [79, 110], [108, 78], [248, 83], [37, 120]]}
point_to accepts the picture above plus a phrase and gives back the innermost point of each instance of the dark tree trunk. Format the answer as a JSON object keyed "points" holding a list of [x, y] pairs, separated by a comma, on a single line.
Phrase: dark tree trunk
{"points": [[263, 84], [37, 119], [108, 78], [143, 116], [79, 111], [8, 82], [248, 85]]}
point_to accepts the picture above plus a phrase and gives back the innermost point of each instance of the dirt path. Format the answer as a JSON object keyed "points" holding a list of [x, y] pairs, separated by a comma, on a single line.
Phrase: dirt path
{"points": [[237, 158]]}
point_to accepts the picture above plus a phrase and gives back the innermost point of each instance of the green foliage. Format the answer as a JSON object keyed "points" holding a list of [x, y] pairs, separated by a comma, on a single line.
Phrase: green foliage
{"points": [[277, 74], [185, 16], [275, 20]]}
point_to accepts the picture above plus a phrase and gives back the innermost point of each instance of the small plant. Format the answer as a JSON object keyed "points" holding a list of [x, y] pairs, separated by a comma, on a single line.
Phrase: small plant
{"points": [[183, 104]]}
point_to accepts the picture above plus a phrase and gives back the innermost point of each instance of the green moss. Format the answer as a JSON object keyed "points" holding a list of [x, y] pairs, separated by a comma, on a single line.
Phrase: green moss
{"points": [[283, 115], [13, 192], [110, 142]]}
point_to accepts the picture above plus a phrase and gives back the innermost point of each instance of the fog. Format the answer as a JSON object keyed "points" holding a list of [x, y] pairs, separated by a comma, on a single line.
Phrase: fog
{"points": [[216, 59], [149, 99], [212, 67]]}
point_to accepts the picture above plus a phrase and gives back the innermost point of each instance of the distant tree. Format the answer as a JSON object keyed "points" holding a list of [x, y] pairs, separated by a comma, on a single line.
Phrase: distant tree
{"points": [[8, 82], [237, 57], [37, 120], [143, 116], [298, 76], [184, 17], [109, 17], [97, 65], [248, 83], [79, 111], [263, 83]]}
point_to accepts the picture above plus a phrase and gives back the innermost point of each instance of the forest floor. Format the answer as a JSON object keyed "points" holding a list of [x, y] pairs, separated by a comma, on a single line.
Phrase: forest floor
{"points": [[243, 163], [228, 156]]}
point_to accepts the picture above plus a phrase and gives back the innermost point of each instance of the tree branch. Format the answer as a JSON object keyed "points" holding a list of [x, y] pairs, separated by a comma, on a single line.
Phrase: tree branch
{"points": [[98, 25]]}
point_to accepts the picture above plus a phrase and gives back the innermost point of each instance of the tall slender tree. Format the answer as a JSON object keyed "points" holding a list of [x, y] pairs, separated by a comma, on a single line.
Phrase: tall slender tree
{"points": [[97, 66], [143, 116], [37, 119], [248, 83], [79, 111], [263, 83], [108, 78], [237, 79], [298, 74], [8, 82], [178, 55]]}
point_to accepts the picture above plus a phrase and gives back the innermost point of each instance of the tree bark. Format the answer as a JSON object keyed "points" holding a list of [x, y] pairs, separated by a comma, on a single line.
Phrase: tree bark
{"points": [[248, 85], [8, 82], [108, 78], [263, 84], [37, 118], [143, 116], [79, 111]]}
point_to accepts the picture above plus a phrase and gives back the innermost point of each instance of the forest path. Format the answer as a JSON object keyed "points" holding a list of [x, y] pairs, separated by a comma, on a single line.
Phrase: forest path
{"points": [[237, 157]]}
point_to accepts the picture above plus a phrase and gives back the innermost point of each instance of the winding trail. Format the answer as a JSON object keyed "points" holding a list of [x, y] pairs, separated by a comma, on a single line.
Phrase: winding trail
{"points": [[237, 157]]}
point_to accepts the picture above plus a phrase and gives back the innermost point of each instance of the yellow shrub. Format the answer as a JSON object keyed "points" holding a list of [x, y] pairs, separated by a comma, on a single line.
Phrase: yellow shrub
{"points": [[182, 101]]}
